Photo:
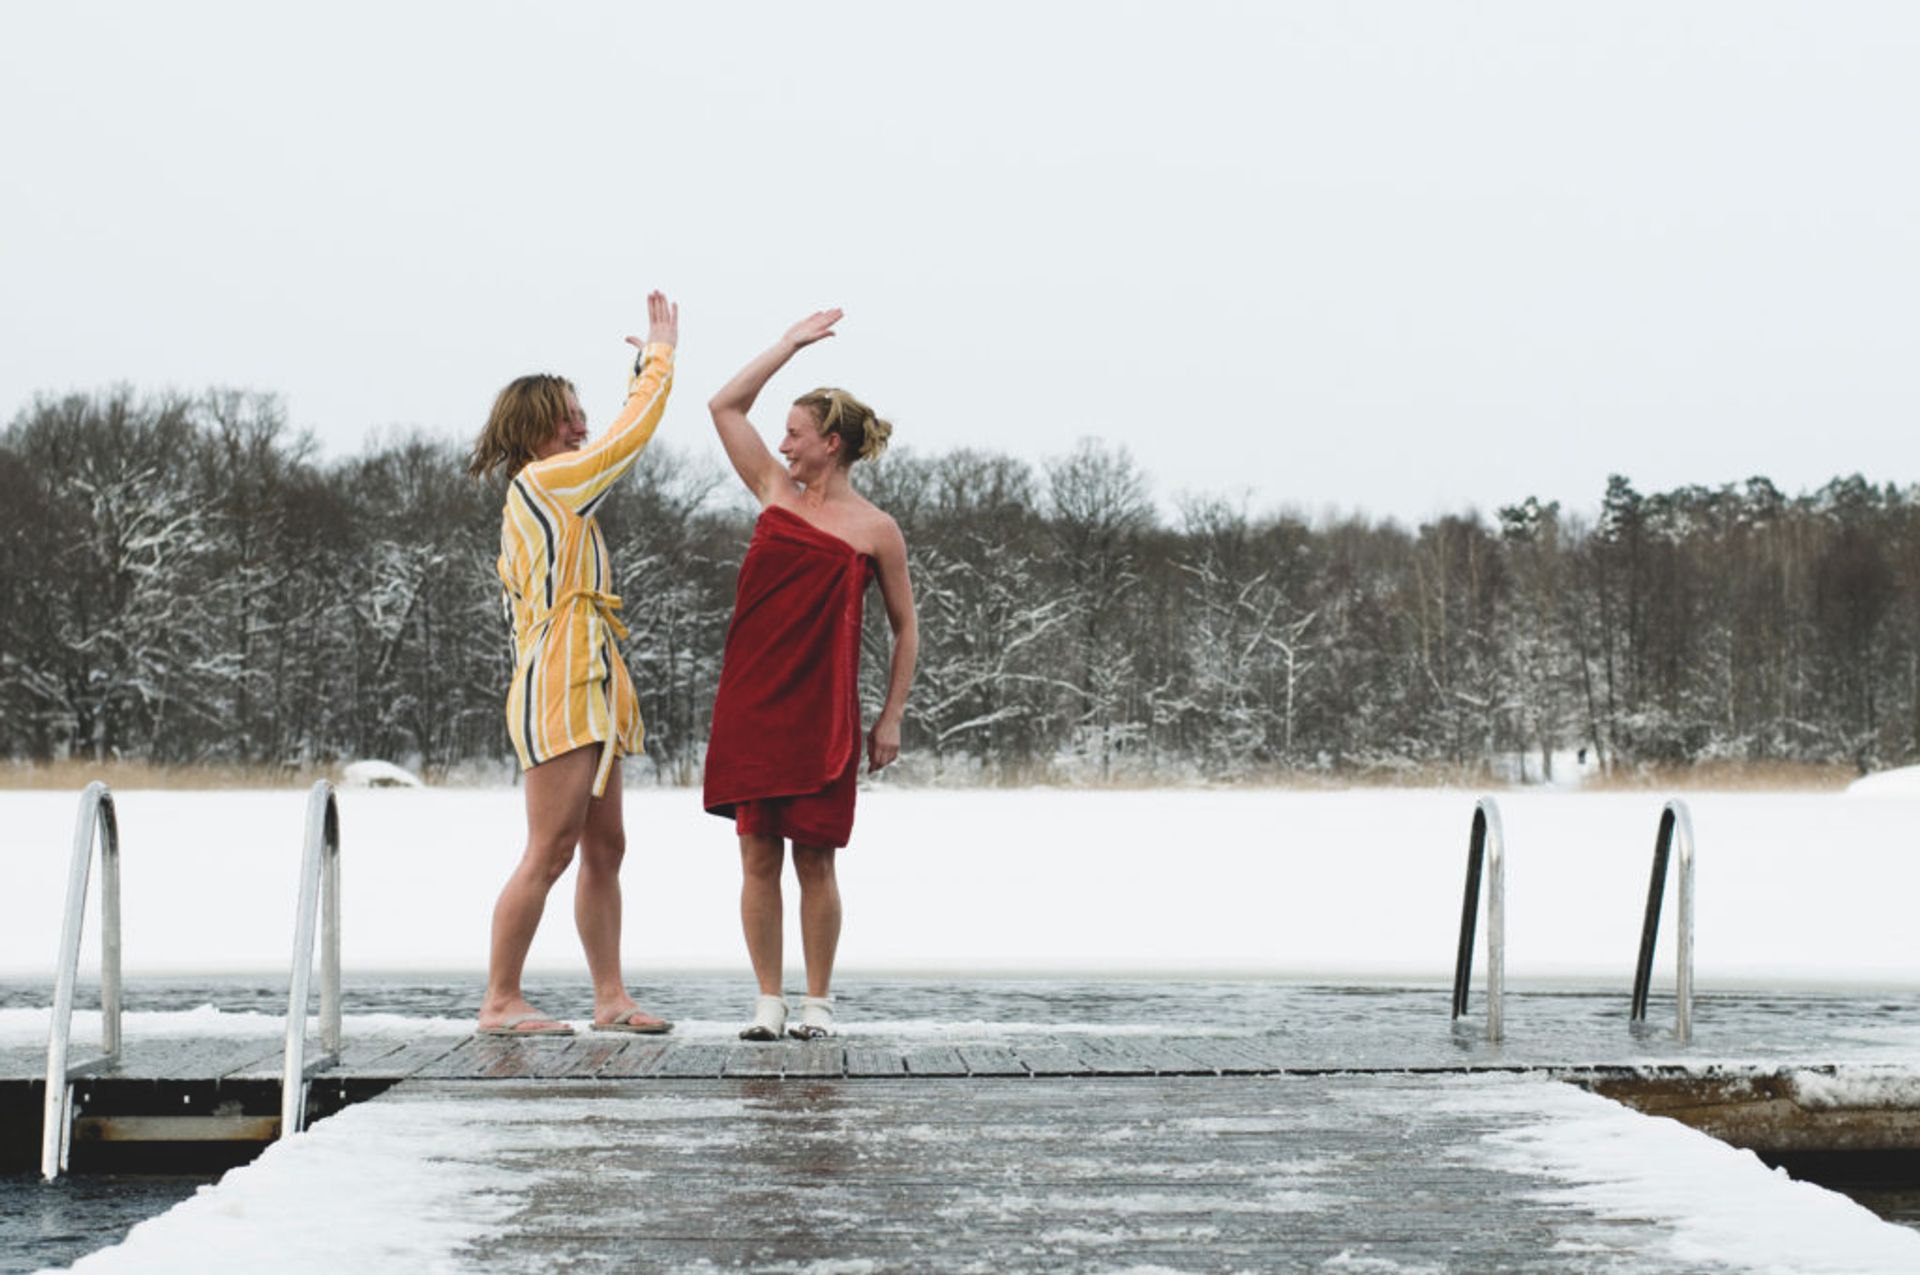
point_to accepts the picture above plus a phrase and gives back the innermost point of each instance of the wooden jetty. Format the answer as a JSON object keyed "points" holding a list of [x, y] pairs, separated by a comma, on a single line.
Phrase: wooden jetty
{"points": [[1059, 1153], [169, 1102]]}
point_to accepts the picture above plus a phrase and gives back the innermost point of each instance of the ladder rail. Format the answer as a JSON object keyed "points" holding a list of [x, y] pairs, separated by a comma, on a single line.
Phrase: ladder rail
{"points": [[1486, 845], [319, 891], [1675, 837], [97, 826]]}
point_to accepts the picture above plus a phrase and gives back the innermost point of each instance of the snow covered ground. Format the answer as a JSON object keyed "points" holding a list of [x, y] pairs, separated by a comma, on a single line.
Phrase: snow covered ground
{"points": [[1904, 782], [1792, 888]]}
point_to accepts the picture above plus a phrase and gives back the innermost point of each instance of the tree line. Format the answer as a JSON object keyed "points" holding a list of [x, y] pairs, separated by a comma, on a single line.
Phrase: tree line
{"points": [[183, 580]]}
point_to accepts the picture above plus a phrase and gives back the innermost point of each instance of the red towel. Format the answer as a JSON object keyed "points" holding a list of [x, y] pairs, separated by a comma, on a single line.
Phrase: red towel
{"points": [[786, 719]]}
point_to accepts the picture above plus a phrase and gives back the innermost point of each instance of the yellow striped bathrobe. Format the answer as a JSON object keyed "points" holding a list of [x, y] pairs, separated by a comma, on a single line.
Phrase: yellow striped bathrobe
{"points": [[570, 686]]}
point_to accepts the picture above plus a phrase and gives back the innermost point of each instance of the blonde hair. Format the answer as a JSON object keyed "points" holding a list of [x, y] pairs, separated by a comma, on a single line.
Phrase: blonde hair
{"points": [[523, 417], [863, 436]]}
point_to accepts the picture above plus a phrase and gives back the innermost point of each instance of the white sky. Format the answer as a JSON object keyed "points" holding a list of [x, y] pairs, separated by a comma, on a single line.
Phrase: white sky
{"points": [[1396, 258]]}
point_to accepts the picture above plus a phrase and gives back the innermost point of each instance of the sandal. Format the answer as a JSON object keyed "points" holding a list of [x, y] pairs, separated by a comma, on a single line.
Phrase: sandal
{"points": [[649, 1026], [515, 1027]]}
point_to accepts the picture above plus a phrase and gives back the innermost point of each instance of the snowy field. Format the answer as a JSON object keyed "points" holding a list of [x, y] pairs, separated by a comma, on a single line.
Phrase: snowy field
{"points": [[1793, 889]]}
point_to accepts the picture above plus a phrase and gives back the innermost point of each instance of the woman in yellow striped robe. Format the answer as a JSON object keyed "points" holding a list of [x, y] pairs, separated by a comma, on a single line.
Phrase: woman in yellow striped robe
{"points": [[571, 709]]}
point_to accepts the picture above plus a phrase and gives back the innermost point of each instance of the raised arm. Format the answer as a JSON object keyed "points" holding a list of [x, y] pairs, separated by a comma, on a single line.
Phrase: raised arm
{"points": [[581, 478], [896, 590], [759, 468]]}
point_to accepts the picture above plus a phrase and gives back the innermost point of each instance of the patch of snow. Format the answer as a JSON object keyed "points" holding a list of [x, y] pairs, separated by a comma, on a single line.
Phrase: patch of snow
{"points": [[377, 774], [1720, 1206], [1903, 782], [1346, 1260], [300, 1209], [1857, 1087]]}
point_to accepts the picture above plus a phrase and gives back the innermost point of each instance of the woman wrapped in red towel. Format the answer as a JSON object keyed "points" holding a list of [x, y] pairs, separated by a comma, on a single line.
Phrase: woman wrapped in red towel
{"points": [[785, 748]]}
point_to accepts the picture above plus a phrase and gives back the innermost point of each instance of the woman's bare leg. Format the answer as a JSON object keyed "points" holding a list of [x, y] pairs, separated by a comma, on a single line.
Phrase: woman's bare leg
{"points": [[819, 914], [596, 905], [596, 896], [557, 795], [761, 858]]}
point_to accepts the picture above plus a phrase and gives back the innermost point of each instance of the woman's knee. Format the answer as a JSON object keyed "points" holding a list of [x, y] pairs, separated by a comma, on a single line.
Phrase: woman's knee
{"points": [[603, 851], [762, 857], [548, 860], [813, 865]]}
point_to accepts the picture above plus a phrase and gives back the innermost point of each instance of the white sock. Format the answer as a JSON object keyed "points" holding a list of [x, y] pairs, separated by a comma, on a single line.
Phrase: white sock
{"points": [[816, 1012], [769, 1015]]}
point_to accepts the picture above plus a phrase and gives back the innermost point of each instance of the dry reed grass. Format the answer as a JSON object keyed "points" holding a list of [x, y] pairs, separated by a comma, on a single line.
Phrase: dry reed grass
{"points": [[74, 774], [1717, 776], [1728, 776]]}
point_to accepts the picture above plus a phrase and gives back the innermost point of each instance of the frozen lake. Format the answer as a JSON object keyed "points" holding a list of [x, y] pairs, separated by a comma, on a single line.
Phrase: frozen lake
{"points": [[1795, 890], [994, 915]]}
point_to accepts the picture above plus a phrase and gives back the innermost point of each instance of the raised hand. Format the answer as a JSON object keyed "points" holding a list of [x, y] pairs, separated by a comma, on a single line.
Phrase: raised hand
{"points": [[663, 322], [814, 327]]}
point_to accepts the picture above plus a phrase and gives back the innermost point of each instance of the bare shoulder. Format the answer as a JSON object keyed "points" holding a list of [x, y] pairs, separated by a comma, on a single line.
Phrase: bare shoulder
{"points": [[881, 531]]}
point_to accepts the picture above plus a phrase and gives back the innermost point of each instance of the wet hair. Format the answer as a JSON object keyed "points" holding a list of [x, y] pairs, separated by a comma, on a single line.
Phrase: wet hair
{"points": [[863, 436], [523, 417]]}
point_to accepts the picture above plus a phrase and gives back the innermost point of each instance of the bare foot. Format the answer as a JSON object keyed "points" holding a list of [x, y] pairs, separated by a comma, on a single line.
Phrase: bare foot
{"points": [[519, 1016], [627, 1013]]}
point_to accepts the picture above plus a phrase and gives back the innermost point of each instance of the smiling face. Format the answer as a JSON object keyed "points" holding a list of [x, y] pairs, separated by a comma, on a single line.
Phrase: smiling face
{"points": [[569, 433], [810, 455]]}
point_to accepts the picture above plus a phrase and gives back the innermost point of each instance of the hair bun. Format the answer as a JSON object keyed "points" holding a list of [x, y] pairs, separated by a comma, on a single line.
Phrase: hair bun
{"points": [[863, 435]]}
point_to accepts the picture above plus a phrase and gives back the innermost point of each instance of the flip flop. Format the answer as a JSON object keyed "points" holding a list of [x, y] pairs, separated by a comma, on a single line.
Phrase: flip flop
{"points": [[513, 1027], [625, 1023]]}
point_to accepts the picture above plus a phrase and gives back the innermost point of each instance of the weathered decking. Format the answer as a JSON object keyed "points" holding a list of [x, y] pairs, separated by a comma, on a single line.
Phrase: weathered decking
{"points": [[1284, 1173], [597, 1056], [1071, 1152]]}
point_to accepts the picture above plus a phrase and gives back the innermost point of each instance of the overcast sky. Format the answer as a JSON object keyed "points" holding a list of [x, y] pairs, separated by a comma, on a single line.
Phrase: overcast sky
{"points": [[1392, 258]]}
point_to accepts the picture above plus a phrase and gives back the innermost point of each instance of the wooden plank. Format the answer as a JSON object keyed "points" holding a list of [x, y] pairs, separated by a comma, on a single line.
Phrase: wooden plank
{"points": [[639, 1058], [1172, 1058], [228, 1128], [991, 1060], [873, 1060], [1109, 1056], [1046, 1057], [364, 1051], [933, 1060], [694, 1061], [764, 1059], [1244, 1057], [592, 1053], [817, 1058], [1226, 1057], [180, 1059], [266, 1062], [408, 1060], [533, 1058], [456, 1063]]}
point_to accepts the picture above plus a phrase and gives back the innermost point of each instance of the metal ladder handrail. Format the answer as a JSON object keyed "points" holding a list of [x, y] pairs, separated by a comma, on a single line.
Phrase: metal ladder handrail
{"points": [[96, 825], [1676, 827], [1486, 842], [319, 883]]}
